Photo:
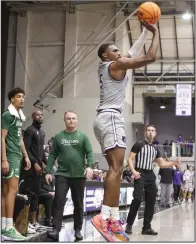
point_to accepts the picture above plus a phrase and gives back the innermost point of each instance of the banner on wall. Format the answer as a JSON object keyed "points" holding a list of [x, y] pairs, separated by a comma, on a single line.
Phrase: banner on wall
{"points": [[183, 99], [129, 195], [94, 198], [123, 196]]}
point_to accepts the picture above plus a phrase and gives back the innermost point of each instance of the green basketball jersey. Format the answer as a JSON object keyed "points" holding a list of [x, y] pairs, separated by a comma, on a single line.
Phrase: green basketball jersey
{"points": [[13, 146]]}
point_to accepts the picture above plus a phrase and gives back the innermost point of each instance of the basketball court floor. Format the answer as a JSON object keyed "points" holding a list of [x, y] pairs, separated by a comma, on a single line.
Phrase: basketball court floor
{"points": [[173, 225]]}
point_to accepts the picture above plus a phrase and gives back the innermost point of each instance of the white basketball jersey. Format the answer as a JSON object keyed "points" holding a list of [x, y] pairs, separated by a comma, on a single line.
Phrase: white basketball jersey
{"points": [[112, 92]]}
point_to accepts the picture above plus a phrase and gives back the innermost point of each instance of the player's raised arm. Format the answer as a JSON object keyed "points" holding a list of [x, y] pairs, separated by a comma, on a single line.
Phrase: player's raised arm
{"points": [[125, 63]]}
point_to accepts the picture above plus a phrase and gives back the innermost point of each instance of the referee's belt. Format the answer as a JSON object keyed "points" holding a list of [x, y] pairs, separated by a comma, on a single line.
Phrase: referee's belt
{"points": [[114, 110]]}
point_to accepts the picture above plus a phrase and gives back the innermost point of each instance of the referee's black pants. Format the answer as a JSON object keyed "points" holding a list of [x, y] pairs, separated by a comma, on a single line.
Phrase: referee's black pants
{"points": [[145, 185], [62, 185]]}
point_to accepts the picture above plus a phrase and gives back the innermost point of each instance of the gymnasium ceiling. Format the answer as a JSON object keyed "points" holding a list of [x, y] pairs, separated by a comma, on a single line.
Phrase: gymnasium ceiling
{"points": [[176, 54]]}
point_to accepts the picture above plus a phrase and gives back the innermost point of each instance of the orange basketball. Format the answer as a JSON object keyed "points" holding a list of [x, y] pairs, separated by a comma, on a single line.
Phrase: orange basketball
{"points": [[150, 12]]}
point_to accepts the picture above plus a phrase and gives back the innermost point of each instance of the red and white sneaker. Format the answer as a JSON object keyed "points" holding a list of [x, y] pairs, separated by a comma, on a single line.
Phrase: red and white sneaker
{"points": [[103, 226], [118, 231]]}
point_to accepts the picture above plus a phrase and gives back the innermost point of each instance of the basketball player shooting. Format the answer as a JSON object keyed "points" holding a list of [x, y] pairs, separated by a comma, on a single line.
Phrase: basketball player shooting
{"points": [[109, 126]]}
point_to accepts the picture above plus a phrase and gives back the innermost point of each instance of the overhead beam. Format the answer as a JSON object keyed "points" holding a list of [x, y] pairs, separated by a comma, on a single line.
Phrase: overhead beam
{"points": [[160, 46], [170, 68], [162, 82], [165, 60], [176, 40]]}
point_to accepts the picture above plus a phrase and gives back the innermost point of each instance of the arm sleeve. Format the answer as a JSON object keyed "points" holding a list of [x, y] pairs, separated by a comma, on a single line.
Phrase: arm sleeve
{"points": [[139, 44], [158, 153], [6, 120], [28, 144], [52, 156], [136, 148], [88, 151]]}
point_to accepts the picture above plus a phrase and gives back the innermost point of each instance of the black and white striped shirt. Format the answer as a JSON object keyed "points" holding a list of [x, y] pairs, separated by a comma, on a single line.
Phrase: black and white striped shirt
{"points": [[145, 155]]}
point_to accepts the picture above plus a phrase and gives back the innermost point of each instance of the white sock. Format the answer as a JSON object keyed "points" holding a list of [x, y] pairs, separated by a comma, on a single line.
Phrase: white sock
{"points": [[105, 212], [3, 223], [115, 213], [9, 223]]}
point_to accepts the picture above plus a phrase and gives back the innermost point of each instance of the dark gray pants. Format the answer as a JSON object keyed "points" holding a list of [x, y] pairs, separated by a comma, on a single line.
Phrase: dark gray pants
{"points": [[166, 193], [62, 185]]}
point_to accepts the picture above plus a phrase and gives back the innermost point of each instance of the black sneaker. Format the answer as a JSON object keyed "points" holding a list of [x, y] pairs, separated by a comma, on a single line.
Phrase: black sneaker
{"points": [[48, 224], [128, 229], [149, 232], [54, 235], [78, 235]]}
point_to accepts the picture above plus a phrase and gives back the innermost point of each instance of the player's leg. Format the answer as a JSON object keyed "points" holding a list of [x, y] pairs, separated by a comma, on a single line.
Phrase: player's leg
{"points": [[115, 159], [77, 192], [150, 197], [3, 206], [135, 204], [12, 188], [61, 190], [109, 130], [190, 192]]}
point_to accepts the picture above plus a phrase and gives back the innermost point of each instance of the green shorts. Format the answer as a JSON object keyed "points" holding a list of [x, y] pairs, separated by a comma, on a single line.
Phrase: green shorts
{"points": [[14, 169]]}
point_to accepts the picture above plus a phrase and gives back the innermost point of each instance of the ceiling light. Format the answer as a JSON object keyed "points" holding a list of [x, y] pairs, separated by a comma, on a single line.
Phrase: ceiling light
{"points": [[162, 107], [187, 15]]}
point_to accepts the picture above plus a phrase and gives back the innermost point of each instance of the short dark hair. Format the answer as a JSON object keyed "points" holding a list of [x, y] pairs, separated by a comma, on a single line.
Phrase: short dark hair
{"points": [[150, 126], [14, 92], [102, 49]]}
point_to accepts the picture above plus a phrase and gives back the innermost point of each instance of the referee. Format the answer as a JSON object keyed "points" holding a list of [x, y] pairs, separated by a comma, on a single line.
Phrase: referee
{"points": [[145, 154]]}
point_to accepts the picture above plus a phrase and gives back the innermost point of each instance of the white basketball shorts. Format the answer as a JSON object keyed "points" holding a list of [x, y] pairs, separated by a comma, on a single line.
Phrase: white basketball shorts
{"points": [[109, 130]]}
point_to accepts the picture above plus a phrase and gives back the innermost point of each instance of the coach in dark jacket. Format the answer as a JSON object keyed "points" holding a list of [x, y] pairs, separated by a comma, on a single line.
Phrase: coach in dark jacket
{"points": [[34, 138]]}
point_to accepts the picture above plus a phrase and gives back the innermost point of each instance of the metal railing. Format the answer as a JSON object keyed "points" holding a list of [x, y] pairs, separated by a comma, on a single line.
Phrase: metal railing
{"points": [[177, 150]]}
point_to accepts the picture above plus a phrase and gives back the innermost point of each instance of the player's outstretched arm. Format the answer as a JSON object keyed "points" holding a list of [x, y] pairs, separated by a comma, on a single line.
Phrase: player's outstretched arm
{"points": [[138, 62]]}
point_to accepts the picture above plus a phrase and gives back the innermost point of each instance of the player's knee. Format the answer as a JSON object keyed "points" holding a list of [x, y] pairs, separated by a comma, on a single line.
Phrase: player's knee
{"points": [[13, 189], [117, 169]]}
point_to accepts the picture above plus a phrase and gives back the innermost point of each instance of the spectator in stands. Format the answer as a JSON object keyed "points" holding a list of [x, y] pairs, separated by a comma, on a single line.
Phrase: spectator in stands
{"points": [[166, 186], [155, 142], [166, 148], [193, 195], [177, 182], [34, 138], [72, 149], [179, 139], [190, 146], [96, 175], [179, 146], [188, 184], [127, 175]]}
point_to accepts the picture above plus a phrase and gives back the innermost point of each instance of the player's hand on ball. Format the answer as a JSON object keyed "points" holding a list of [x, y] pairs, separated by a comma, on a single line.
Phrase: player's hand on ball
{"points": [[89, 173], [48, 178], [152, 28]]}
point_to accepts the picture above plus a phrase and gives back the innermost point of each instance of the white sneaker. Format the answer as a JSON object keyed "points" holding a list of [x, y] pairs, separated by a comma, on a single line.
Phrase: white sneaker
{"points": [[38, 227], [30, 230], [183, 201], [31, 226], [189, 200]]}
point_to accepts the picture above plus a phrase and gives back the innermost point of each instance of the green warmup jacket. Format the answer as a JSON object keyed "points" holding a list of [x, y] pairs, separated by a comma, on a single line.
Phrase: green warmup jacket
{"points": [[73, 152]]}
